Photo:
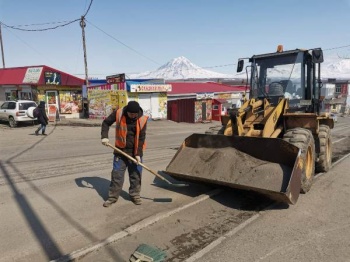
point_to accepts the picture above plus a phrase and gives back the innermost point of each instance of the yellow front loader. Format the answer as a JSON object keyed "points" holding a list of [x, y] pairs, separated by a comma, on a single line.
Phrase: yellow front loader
{"points": [[278, 138]]}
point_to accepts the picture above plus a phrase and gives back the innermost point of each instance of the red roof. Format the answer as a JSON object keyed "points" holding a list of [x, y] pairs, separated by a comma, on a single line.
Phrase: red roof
{"points": [[209, 87], [15, 76]]}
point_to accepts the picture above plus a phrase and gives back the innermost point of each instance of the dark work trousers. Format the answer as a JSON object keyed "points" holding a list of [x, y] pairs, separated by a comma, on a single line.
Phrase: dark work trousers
{"points": [[117, 179], [42, 127]]}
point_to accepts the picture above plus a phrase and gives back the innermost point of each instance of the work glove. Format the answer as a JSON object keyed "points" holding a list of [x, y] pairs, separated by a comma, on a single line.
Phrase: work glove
{"points": [[138, 159], [105, 141]]}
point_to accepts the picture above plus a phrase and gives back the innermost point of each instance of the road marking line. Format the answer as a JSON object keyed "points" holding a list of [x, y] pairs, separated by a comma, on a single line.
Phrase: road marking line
{"points": [[134, 228], [219, 240], [339, 140], [341, 128], [334, 164], [341, 159]]}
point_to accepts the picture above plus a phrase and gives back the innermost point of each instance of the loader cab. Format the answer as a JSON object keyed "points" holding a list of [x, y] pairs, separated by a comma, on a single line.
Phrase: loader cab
{"points": [[287, 74]]}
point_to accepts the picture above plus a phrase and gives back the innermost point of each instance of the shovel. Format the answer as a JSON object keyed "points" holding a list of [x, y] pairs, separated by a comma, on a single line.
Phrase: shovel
{"points": [[144, 166]]}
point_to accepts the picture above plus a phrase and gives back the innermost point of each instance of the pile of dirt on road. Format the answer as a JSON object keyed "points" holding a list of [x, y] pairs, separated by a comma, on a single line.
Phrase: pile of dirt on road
{"points": [[229, 166]]}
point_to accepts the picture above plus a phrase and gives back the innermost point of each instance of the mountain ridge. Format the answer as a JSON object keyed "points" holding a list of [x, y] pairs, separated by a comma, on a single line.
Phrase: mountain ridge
{"points": [[181, 68]]}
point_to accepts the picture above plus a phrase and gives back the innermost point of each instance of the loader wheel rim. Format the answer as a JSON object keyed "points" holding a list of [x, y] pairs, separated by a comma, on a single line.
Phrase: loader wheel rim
{"points": [[308, 162]]}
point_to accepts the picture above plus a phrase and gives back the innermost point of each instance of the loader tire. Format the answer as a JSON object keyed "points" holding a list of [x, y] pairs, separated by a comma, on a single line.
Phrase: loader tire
{"points": [[303, 139], [324, 149]]}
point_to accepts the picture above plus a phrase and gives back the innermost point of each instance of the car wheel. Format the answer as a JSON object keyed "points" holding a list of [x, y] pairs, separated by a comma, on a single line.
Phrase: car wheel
{"points": [[12, 122]]}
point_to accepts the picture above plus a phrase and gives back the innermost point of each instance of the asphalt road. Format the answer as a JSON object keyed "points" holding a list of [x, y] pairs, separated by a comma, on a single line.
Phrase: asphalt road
{"points": [[238, 226], [53, 187], [52, 190]]}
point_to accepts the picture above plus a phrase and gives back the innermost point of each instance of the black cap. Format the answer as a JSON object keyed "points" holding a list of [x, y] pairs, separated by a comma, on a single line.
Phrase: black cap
{"points": [[133, 107]]}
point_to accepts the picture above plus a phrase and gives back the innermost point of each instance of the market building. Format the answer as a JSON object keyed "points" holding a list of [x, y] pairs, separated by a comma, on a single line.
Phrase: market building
{"points": [[336, 96], [117, 92], [196, 102], [62, 92], [191, 102]]}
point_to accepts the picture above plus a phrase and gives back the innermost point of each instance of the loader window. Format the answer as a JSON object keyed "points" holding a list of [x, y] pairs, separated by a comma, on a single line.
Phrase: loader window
{"points": [[278, 76], [276, 89]]}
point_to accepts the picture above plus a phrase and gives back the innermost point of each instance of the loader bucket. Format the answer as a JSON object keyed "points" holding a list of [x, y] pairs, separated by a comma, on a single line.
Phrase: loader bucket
{"points": [[270, 166]]}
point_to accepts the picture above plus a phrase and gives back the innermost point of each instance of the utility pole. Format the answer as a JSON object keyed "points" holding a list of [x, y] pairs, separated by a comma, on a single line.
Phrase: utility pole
{"points": [[82, 25], [2, 48]]}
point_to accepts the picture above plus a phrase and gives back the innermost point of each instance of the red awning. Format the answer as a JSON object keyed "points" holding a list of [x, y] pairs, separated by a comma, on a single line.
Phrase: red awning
{"points": [[17, 75]]}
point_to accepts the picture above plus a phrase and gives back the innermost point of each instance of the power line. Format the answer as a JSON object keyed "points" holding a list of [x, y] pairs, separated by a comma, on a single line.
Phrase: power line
{"points": [[65, 23], [219, 66], [32, 48], [87, 11], [120, 42], [61, 24], [334, 48], [228, 65], [39, 30], [47, 23]]}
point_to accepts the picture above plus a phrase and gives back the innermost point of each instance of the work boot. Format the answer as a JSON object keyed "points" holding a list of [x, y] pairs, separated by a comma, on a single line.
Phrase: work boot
{"points": [[109, 202], [44, 134], [136, 200]]}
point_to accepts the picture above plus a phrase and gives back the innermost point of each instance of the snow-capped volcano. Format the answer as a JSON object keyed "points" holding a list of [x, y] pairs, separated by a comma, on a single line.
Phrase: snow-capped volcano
{"points": [[336, 69], [180, 68]]}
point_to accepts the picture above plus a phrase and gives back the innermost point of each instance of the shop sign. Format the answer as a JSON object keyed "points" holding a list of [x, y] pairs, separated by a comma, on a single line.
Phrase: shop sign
{"points": [[236, 95], [32, 75], [114, 79], [52, 78], [150, 88], [204, 96]]}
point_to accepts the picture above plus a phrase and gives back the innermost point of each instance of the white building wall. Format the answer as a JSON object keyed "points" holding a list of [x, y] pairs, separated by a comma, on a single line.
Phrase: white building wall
{"points": [[328, 90]]}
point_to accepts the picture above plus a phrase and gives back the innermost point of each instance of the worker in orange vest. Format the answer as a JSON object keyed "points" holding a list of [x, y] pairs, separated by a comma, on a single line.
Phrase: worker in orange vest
{"points": [[130, 136]]}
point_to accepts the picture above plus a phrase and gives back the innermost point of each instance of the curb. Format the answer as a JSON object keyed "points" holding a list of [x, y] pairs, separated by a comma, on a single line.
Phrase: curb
{"points": [[133, 229], [71, 123]]}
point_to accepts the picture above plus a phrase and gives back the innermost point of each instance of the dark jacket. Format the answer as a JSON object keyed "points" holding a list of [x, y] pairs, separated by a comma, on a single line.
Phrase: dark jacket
{"points": [[42, 118], [131, 124]]}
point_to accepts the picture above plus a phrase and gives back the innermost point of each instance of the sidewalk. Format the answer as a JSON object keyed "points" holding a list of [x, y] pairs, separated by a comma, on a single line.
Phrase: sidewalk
{"points": [[276, 234], [151, 123], [78, 122]]}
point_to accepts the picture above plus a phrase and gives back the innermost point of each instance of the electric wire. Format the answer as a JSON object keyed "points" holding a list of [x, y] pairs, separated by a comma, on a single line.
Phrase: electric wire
{"points": [[39, 30], [61, 24], [66, 23], [120, 42]]}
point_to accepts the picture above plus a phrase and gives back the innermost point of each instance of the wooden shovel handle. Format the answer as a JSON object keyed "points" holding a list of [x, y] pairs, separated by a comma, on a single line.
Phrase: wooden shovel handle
{"points": [[139, 163]]}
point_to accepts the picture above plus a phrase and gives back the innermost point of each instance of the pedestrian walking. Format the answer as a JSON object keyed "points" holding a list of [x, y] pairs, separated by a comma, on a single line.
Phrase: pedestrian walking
{"points": [[130, 136], [42, 118]]}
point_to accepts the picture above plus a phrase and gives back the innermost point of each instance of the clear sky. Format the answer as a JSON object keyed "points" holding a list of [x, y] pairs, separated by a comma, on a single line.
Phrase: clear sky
{"points": [[134, 36]]}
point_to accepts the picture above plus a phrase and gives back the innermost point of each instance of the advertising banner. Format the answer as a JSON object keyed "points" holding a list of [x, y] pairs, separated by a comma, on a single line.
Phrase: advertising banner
{"points": [[150, 88], [52, 113], [103, 102], [32, 75]]}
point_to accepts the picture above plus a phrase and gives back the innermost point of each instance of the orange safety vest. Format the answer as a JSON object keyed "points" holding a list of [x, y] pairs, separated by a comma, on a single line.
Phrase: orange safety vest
{"points": [[121, 130]]}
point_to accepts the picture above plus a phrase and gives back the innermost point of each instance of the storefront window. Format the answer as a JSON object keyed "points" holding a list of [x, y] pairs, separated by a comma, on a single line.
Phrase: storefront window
{"points": [[70, 102], [11, 95], [26, 95]]}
